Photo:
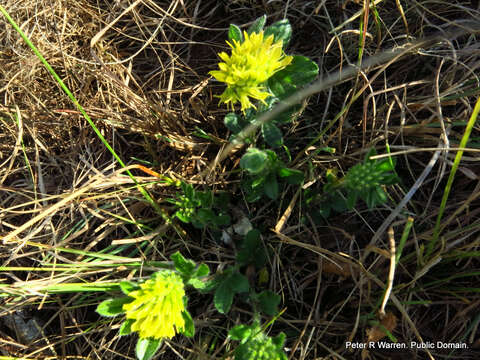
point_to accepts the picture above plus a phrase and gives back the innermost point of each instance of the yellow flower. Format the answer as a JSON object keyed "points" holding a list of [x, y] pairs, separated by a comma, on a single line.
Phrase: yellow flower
{"points": [[250, 65], [158, 306]]}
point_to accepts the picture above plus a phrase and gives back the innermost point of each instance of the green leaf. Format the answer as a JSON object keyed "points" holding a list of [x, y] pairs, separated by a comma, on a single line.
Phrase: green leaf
{"points": [[371, 152], [386, 165], [189, 330], [269, 301], [222, 220], [271, 186], [369, 198], [113, 307], [233, 122], [223, 298], [238, 283], [202, 270], [272, 135], [252, 239], [281, 30], [250, 245], [127, 287], [126, 327], [281, 89], [380, 195], [234, 33], [222, 200], [197, 223], [339, 204], [197, 284], [251, 250], [279, 340], [206, 215], [205, 198], [240, 333], [352, 198], [180, 214], [188, 190], [146, 348], [390, 179], [254, 194], [257, 25], [208, 286], [254, 161], [272, 156], [183, 266], [258, 182], [294, 177], [301, 71]]}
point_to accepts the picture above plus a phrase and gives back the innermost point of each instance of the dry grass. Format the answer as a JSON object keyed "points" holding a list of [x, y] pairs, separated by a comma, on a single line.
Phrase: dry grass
{"points": [[140, 70]]}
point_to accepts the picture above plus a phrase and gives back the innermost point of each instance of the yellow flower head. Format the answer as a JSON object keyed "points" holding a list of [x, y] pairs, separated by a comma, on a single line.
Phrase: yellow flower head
{"points": [[158, 306], [252, 62]]}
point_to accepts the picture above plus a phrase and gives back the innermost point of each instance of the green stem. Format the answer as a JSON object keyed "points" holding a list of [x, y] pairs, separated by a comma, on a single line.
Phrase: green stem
{"points": [[446, 193]]}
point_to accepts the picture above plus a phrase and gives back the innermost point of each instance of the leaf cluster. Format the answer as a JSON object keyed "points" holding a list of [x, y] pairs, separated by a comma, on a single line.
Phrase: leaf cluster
{"points": [[201, 208], [191, 273], [265, 171], [254, 344], [231, 281], [281, 85], [364, 181], [298, 73]]}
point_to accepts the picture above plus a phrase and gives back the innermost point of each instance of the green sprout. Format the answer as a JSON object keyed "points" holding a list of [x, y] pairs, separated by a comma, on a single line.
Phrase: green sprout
{"points": [[200, 208], [365, 181], [256, 345]]}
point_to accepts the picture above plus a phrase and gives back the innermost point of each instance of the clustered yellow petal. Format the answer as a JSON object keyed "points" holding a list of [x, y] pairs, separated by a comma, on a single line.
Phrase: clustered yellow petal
{"points": [[250, 65], [158, 306]]}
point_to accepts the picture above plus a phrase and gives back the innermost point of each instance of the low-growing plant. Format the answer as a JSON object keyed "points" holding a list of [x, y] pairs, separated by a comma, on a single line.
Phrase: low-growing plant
{"points": [[265, 170], [201, 208], [363, 181], [156, 309], [255, 344], [258, 69], [251, 251], [231, 281]]}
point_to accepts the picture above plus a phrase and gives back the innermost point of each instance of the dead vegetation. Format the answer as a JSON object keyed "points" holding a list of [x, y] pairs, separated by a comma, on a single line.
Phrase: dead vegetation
{"points": [[68, 213]]}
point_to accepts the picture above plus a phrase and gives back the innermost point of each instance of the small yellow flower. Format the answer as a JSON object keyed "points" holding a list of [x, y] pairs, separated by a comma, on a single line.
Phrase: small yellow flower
{"points": [[158, 306], [250, 65]]}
